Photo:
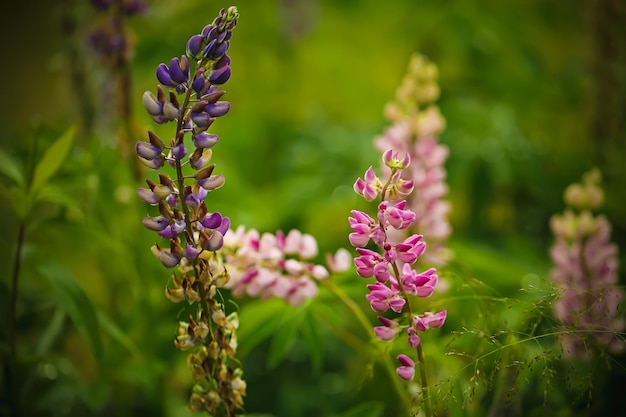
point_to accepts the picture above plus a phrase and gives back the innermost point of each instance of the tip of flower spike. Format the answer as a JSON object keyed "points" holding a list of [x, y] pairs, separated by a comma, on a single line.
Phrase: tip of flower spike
{"points": [[232, 14], [392, 159]]}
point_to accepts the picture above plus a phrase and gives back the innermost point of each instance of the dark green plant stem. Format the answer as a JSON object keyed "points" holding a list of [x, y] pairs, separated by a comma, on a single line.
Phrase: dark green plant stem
{"points": [[14, 383]]}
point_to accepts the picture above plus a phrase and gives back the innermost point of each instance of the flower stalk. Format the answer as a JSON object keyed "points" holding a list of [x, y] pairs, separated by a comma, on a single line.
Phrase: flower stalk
{"points": [[195, 235], [585, 273], [392, 265]]}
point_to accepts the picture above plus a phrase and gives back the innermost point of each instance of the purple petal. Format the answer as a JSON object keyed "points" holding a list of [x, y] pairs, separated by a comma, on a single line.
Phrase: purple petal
{"points": [[223, 228], [198, 84], [155, 224], [163, 75], [212, 221], [210, 48], [151, 104], [194, 44], [405, 360], [220, 50], [146, 195], [220, 76], [202, 119], [212, 183], [217, 109], [179, 151], [216, 241], [176, 72], [147, 150], [205, 140]]}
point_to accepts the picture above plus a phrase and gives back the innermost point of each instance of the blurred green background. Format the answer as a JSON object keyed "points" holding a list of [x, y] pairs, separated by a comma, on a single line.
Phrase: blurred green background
{"points": [[533, 93]]}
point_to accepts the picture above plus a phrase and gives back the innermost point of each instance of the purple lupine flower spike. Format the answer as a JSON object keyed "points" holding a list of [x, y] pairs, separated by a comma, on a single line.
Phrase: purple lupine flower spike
{"points": [[191, 97]]}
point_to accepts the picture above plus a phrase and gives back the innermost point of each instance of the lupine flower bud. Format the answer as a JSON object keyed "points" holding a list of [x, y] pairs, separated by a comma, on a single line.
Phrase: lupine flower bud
{"points": [[173, 230], [151, 104], [212, 183], [154, 163], [388, 330], [217, 109], [179, 70], [224, 226], [407, 370], [170, 111], [147, 150], [163, 75], [202, 120], [413, 339], [204, 140], [215, 242], [212, 221], [162, 191], [167, 258], [429, 320], [199, 158], [220, 76], [146, 195], [155, 223], [191, 252], [194, 46], [199, 83], [179, 151]]}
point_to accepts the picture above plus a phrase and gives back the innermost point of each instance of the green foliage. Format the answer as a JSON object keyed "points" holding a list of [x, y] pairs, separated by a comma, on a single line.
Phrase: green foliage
{"points": [[76, 304], [310, 80], [52, 160]]}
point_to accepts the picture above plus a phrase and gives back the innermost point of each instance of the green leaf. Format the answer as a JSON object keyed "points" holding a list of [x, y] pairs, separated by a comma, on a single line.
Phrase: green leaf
{"points": [[10, 169], [285, 337], [311, 336], [367, 409], [52, 159], [53, 330], [76, 304], [117, 334], [17, 198], [259, 319]]}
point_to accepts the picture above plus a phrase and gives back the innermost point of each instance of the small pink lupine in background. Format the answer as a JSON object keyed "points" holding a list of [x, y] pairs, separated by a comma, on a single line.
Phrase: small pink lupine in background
{"points": [[277, 265], [391, 264], [585, 273], [416, 124]]}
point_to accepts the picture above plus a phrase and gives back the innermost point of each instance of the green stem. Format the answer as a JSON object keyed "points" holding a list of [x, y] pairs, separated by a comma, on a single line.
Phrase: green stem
{"points": [[349, 302], [367, 326], [420, 352], [425, 395]]}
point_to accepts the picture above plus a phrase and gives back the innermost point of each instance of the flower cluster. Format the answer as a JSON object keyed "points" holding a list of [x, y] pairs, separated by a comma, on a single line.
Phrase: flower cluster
{"points": [[189, 96], [277, 265], [416, 124], [585, 273], [392, 263]]}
